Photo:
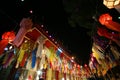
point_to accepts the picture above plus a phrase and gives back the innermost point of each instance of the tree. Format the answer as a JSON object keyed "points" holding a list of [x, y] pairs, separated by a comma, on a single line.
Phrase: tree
{"points": [[84, 13]]}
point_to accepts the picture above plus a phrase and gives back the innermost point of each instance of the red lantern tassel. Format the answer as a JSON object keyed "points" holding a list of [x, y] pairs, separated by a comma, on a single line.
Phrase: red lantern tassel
{"points": [[3, 44], [113, 25], [112, 36], [106, 19]]}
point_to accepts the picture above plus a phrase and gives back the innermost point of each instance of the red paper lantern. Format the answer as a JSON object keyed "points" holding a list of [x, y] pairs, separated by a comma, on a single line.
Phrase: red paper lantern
{"points": [[103, 19], [106, 20], [6, 38], [10, 36]]}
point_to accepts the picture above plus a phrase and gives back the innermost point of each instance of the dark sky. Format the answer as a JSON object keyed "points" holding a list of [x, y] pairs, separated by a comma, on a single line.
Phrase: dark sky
{"points": [[53, 16]]}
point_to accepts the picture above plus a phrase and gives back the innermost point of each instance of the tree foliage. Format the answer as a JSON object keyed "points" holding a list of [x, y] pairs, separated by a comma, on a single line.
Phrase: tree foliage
{"points": [[84, 13]]}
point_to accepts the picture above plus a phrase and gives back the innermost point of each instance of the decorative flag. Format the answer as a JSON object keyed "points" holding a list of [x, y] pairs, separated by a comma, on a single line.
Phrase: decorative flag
{"points": [[41, 40], [115, 52], [47, 52], [101, 41], [96, 52], [48, 44], [8, 60], [58, 53], [24, 60], [34, 57], [110, 54], [43, 59], [49, 74], [23, 49]]}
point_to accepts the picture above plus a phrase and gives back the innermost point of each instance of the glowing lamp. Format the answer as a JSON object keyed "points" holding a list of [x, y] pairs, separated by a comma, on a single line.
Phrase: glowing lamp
{"points": [[72, 57], [31, 11], [10, 36], [111, 3], [104, 18], [6, 38]]}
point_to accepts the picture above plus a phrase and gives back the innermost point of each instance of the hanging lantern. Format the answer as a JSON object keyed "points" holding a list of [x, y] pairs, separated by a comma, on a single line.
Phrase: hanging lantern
{"points": [[7, 37], [106, 19], [111, 3], [25, 26]]}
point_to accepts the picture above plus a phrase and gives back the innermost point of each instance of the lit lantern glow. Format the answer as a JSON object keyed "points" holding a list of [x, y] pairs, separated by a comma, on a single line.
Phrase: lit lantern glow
{"points": [[72, 57], [111, 3], [106, 19], [7, 37], [31, 11]]}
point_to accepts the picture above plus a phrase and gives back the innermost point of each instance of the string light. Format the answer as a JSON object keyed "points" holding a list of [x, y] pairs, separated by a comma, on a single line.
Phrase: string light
{"points": [[118, 17], [55, 42], [53, 39], [6, 49], [81, 66], [72, 57], [50, 36], [85, 65], [22, 0], [46, 31], [31, 11], [42, 26], [10, 47]]}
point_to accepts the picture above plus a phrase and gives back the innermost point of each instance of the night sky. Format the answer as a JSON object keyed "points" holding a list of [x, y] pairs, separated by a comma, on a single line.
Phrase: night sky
{"points": [[54, 18]]}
